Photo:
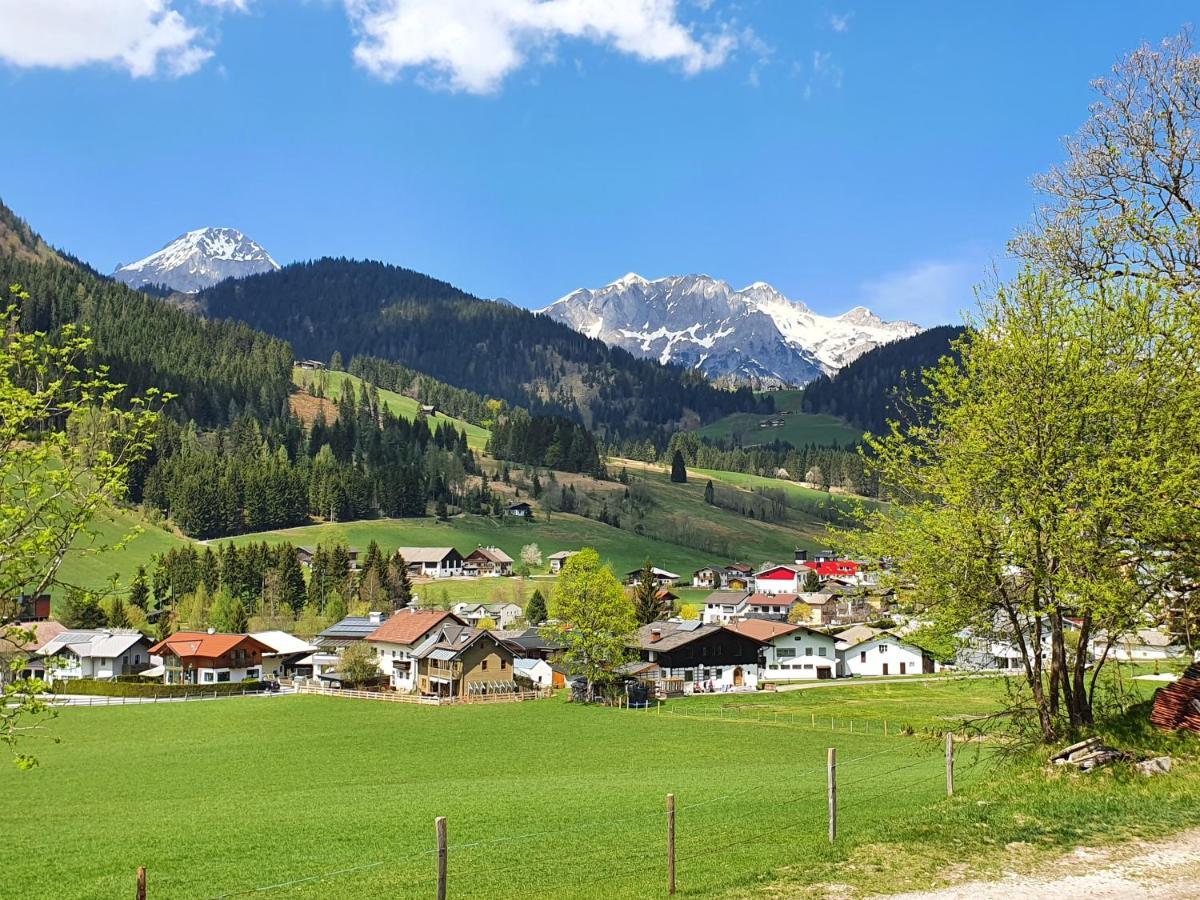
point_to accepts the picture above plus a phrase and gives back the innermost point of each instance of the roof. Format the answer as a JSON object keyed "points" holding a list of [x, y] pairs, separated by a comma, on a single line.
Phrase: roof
{"points": [[723, 598], [815, 598], [530, 639], [562, 554], [204, 644], [102, 643], [658, 573], [43, 632], [856, 634], [763, 629], [410, 625], [424, 554], [766, 573], [677, 634], [879, 635], [451, 640], [283, 643], [491, 554], [353, 628], [833, 567], [521, 505], [739, 567], [521, 663], [773, 599]]}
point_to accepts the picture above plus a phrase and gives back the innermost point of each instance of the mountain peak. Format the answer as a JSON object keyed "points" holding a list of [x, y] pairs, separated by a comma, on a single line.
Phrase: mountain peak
{"points": [[198, 259], [755, 334]]}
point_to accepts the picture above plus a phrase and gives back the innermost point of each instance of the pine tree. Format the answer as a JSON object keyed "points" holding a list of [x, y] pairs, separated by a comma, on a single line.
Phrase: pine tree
{"points": [[399, 584], [82, 610], [139, 591], [647, 607], [709, 493], [678, 468], [812, 582], [535, 612]]}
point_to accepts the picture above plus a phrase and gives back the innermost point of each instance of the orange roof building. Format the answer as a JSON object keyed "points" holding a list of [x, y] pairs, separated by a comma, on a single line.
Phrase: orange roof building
{"points": [[204, 657]]}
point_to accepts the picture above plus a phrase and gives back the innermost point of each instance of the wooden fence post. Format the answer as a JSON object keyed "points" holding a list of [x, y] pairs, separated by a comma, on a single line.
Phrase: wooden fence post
{"points": [[671, 844], [949, 763], [440, 824], [141, 883], [832, 766]]}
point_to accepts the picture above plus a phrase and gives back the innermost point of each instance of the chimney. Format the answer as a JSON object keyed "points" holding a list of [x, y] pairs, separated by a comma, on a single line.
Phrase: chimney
{"points": [[655, 635], [801, 556], [211, 630], [375, 618]]}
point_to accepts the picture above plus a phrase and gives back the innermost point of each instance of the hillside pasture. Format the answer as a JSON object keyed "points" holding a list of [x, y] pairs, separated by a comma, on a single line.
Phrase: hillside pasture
{"points": [[798, 429], [313, 797]]}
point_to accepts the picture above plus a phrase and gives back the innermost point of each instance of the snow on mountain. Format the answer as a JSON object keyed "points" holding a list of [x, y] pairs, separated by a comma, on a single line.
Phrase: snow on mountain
{"points": [[197, 260], [753, 335]]}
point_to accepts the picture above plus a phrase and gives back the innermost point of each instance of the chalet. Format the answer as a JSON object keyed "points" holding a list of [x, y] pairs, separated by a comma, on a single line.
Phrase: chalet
{"points": [[18, 652], [521, 510], [310, 365], [27, 608], [1143, 644], [662, 576], [882, 653], [283, 659], [102, 653], [428, 409], [722, 607], [559, 559], [205, 657], [773, 606], [487, 561], [778, 580], [304, 556], [667, 598], [738, 577], [503, 614], [336, 638], [460, 661], [431, 562], [711, 577], [396, 640], [707, 657], [794, 652]]}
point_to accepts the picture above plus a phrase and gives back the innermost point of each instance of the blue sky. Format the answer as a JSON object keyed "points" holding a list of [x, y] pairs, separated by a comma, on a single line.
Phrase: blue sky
{"points": [[847, 153]]}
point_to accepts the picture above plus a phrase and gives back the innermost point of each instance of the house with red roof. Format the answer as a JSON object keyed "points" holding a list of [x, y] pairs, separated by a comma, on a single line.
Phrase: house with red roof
{"points": [[844, 569], [396, 640], [207, 657]]}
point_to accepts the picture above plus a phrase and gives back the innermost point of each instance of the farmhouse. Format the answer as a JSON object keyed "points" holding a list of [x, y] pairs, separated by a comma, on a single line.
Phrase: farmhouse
{"points": [[487, 561], [1140, 645], [460, 661], [559, 559], [396, 640], [431, 562], [882, 653], [203, 657], [503, 614], [793, 651], [709, 577], [283, 659], [705, 657], [14, 649], [662, 576], [521, 510], [738, 577], [723, 607], [95, 653], [846, 569], [775, 606]]}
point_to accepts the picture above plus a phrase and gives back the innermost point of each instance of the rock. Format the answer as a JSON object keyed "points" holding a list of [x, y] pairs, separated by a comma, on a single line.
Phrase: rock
{"points": [[1157, 766]]}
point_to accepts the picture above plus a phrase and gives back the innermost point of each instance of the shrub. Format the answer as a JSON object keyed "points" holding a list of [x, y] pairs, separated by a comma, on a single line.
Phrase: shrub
{"points": [[156, 689]]}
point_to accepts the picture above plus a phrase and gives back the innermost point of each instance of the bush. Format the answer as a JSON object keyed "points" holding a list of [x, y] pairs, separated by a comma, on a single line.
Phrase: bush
{"points": [[156, 689]]}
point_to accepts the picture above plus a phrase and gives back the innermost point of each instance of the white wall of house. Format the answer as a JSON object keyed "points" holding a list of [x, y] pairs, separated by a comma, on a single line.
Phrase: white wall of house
{"points": [[536, 670], [723, 678], [397, 664], [220, 676], [882, 655], [777, 584], [723, 613], [800, 655]]}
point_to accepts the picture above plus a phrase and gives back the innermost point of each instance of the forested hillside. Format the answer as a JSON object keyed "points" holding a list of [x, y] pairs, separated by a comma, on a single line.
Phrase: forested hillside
{"points": [[863, 393], [371, 309], [218, 370]]}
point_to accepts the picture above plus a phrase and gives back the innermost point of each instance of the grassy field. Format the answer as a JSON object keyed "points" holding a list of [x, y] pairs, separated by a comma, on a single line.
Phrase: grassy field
{"points": [[85, 567], [799, 428], [405, 407], [329, 798]]}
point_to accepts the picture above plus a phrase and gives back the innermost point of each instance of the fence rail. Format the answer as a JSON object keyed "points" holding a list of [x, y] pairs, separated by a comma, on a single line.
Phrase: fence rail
{"points": [[98, 700], [397, 697]]}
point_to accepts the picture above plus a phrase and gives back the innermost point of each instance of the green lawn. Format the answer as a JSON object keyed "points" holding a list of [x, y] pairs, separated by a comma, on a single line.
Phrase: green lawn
{"points": [[799, 429], [405, 407], [542, 799], [86, 567]]}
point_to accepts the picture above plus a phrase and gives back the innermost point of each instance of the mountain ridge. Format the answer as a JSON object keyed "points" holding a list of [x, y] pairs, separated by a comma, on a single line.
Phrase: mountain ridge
{"points": [[198, 259], [752, 335]]}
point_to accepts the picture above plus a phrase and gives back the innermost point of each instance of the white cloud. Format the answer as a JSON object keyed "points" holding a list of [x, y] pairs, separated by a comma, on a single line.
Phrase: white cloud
{"points": [[840, 22], [144, 37], [932, 292], [472, 45]]}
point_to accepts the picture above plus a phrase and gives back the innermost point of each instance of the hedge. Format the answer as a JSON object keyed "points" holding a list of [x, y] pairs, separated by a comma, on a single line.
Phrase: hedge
{"points": [[132, 689]]}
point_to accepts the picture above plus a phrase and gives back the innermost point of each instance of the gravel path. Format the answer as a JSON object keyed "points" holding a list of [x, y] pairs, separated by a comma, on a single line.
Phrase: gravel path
{"points": [[1167, 869]]}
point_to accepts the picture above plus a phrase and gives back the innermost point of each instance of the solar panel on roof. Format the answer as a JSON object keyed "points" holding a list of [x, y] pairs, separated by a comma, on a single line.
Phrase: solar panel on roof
{"points": [[689, 625]]}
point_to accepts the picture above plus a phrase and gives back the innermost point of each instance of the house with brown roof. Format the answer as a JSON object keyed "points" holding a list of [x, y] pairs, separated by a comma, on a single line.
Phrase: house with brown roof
{"points": [[705, 657], [794, 652], [21, 641], [205, 657], [431, 562], [487, 561], [559, 559], [461, 661], [395, 641]]}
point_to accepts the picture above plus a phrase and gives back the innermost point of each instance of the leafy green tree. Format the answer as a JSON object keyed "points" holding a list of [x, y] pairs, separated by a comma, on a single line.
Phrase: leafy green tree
{"points": [[358, 665], [335, 607], [535, 612], [678, 468], [228, 613], [647, 607], [487, 624], [689, 612], [594, 619]]}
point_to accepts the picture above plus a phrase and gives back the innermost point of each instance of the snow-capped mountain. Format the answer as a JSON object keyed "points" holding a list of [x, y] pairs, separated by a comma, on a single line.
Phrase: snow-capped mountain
{"points": [[753, 335], [197, 260]]}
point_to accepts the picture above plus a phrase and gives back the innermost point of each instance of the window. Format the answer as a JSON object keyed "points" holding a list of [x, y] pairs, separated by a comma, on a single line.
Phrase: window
{"points": [[208, 676], [503, 664], [862, 657], [820, 651], [222, 676], [883, 648], [786, 652], [483, 665], [808, 651]]}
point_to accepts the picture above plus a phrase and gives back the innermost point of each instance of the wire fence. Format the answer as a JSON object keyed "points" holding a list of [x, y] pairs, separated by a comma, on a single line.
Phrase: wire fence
{"points": [[724, 839]]}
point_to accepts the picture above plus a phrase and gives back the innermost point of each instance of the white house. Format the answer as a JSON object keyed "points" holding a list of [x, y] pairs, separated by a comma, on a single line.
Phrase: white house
{"points": [[883, 654], [503, 614], [395, 641], [559, 559], [793, 652], [662, 576], [431, 562], [536, 670], [1147, 644], [101, 653], [287, 650], [206, 657], [779, 580], [723, 607]]}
